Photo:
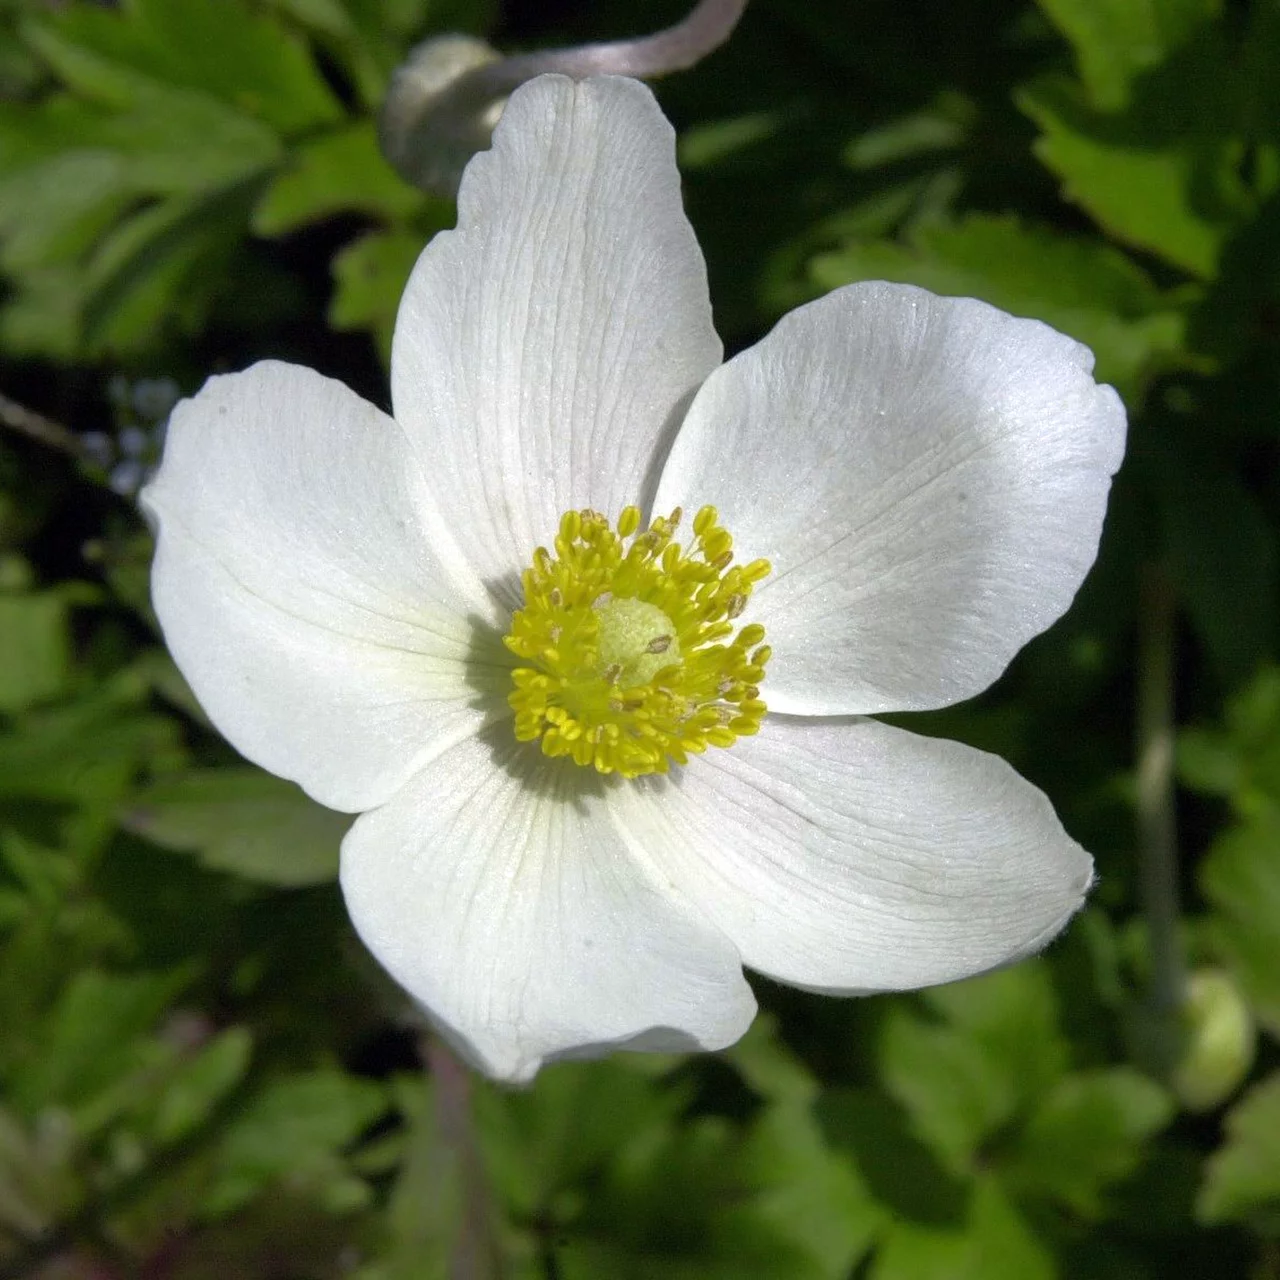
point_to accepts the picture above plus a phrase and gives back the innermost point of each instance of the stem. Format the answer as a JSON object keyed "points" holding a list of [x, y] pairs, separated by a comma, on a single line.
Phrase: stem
{"points": [[475, 1255], [442, 104], [1157, 831], [677, 48], [35, 426]]}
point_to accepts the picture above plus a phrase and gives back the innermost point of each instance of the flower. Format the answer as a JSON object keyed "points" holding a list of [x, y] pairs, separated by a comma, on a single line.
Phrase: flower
{"points": [[917, 485]]}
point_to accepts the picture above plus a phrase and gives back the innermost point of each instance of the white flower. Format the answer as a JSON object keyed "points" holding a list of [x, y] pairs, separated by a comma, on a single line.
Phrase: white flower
{"points": [[926, 476]]}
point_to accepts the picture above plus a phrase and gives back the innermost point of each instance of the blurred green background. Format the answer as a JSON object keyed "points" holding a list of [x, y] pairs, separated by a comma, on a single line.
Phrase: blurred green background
{"points": [[201, 1072]]}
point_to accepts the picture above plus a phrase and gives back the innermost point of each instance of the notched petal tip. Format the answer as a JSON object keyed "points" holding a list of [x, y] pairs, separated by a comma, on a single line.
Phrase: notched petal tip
{"points": [[558, 332]]}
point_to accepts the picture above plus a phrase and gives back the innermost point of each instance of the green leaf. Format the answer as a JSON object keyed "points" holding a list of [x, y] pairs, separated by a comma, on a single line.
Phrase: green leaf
{"points": [[1241, 760], [567, 1127], [1161, 176], [1087, 1134], [35, 649], [85, 754], [219, 47], [1241, 880], [340, 172], [1083, 287], [1208, 762], [956, 1094], [686, 1202], [370, 275], [91, 1037], [43, 318], [1115, 40], [1242, 1179], [1235, 317], [963, 1080], [1013, 1015], [992, 1243], [769, 1067], [55, 211], [806, 1192], [1221, 548], [295, 1130], [243, 821], [901, 1173], [161, 266], [38, 1178], [198, 1084]]}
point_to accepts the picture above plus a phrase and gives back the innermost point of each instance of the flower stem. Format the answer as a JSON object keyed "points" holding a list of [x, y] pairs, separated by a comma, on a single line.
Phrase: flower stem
{"points": [[443, 102], [1157, 830], [475, 1255], [35, 426], [677, 48]]}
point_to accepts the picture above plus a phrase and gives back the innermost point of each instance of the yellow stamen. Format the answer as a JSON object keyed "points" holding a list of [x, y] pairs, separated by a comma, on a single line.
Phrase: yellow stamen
{"points": [[630, 665]]}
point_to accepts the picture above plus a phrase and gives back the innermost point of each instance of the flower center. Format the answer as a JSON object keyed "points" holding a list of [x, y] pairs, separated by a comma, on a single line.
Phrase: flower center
{"points": [[627, 640]]}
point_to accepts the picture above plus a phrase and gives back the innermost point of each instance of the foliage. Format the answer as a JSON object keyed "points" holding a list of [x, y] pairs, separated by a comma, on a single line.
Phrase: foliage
{"points": [[202, 1074]]}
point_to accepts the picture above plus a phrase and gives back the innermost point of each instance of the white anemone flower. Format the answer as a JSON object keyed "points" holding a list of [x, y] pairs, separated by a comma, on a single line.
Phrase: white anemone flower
{"points": [[481, 625]]}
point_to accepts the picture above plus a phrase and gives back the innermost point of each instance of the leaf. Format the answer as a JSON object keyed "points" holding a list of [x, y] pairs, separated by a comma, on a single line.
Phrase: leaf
{"points": [[54, 211], [992, 1243], [370, 275], [1241, 760], [1219, 1042], [769, 1067], [901, 1173], [1087, 1134], [1162, 175], [685, 1202], [91, 1037], [219, 47], [1237, 313], [1083, 287], [38, 1180], [955, 1093], [567, 1127], [294, 1131], [1208, 762], [368, 38], [189, 1095], [243, 821], [161, 266], [1115, 40], [174, 142], [1013, 1014], [1241, 880], [340, 172], [806, 1192], [85, 754], [1221, 548], [1242, 1179], [35, 649], [963, 1080], [126, 198]]}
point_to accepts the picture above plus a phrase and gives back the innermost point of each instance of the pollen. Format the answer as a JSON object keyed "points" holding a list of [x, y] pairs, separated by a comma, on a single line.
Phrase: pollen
{"points": [[632, 656]]}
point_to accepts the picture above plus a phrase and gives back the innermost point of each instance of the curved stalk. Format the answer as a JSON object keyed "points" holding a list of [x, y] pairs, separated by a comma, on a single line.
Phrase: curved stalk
{"points": [[443, 103]]}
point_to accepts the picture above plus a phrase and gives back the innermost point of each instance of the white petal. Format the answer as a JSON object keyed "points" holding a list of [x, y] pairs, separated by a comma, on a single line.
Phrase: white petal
{"points": [[849, 856], [546, 348], [928, 476], [301, 593], [495, 889]]}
